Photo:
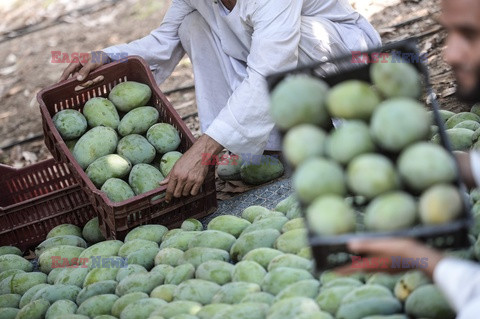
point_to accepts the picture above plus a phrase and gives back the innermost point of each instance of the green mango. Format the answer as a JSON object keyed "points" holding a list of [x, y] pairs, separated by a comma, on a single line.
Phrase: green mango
{"points": [[382, 214], [399, 122], [255, 239], [69, 240], [34, 310], [180, 274], [234, 292], [168, 160], [65, 229], [71, 124], [260, 172], [180, 307], [10, 250], [129, 95], [139, 282], [91, 231], [164, 292], [396, 79], [11, 261], [136, 149], [303, 142], [248, 271], [138, 120], [192, 224], [425, 164], [460, 117], [213, 239], [351, 139], [106, 167], [352, 99], [97, 305], [216, 271], [97, 142], [292, 241], [122, 302], [317, 177], [428, 301], [196, 290], [300, 99], [164, 137], [60, 308], [148, 232], [281, 277], [65, 255], [100, 111], [144, 178], [95, 289]]}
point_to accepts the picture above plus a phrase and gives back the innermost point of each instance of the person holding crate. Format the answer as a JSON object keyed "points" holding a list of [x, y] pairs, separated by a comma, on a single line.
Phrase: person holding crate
{"points": [[458, 279], [233, 46]]}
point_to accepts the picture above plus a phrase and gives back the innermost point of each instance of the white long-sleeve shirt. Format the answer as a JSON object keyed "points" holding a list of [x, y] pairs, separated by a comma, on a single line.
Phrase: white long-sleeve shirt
{"points": [[267, 36], [459, 279]]}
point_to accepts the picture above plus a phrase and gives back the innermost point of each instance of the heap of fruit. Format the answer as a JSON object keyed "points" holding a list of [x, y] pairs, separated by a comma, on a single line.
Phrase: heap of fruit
{"points": [[380, 152], [463, 129], [257, 266], [119, 142]]}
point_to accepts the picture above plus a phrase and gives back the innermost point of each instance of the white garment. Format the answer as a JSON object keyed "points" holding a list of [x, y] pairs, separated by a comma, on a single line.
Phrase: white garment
{"points": [[459, 281], [243, 46]]}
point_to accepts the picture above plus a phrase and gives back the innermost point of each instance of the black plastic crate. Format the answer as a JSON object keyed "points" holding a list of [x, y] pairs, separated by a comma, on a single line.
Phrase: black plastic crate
{"points": [[331, 251]]}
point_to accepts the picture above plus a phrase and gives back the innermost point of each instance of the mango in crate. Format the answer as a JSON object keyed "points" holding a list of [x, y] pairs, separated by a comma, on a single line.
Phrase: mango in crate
{"points": [[117, 190], [352, 99], [440, 204], [317, 177], [372, 174], [100, 111], [71, 124], [303, 142], [398, 123], [396, 78], [423, 165], [300, 99], [144, 178], [136, 149], [138, 120], [129, 95], [391, 211], [97, 142], [168, 161], [164, 137], [349, 140], [106, 167], [331, 215]]}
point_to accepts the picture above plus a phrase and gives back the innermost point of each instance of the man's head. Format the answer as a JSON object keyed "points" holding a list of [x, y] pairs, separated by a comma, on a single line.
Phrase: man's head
{"points": [[461, 18]]}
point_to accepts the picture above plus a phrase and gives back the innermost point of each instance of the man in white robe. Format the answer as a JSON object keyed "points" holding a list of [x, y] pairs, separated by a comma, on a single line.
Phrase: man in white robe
{"points": [[459, 280], [233, 46]]}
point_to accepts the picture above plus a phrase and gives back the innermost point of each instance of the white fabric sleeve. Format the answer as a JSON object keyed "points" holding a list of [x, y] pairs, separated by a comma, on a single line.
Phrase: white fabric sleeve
{"points": [[161, 48], [244, 124], [475, 165], [459, 280]]}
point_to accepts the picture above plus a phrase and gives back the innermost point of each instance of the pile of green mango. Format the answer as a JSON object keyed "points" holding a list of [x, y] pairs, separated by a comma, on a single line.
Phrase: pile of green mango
{"points": [[119, 142], [463, 129], [379, 151], [257, 265]]}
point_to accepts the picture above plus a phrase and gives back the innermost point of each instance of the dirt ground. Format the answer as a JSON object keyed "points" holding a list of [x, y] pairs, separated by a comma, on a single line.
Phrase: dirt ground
{"points": [[30, 30]]}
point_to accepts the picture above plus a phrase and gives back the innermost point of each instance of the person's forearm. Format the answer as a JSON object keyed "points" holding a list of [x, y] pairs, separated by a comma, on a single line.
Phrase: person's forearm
{"points": [[466, 171], [208, 145]]}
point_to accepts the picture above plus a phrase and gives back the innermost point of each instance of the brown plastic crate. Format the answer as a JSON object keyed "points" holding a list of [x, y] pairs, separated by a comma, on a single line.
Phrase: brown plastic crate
{"points": [[116, 219], [35, 199]]}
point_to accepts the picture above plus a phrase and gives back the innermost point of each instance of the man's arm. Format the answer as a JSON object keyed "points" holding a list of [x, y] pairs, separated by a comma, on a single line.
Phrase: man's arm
{"points": [[469, 164], [244, 124], [161, 48]]}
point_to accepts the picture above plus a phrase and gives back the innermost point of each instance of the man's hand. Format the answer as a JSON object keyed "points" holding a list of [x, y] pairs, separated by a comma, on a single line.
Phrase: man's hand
{"points": [[80, 69], [388, 247], [188, 173]]}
